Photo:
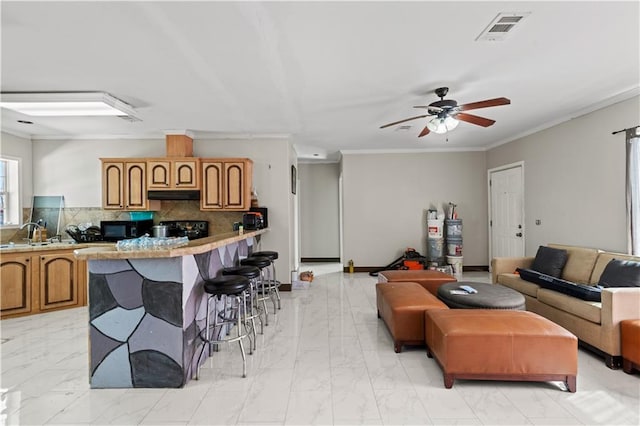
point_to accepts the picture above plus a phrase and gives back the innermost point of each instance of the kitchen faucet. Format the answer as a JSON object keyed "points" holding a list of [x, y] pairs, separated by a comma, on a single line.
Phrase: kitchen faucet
{"points": [[36, 226]]}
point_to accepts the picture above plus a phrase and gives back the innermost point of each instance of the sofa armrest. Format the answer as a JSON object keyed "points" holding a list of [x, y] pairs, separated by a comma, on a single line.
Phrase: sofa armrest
{"points": [[618, 304], [508, 265]]}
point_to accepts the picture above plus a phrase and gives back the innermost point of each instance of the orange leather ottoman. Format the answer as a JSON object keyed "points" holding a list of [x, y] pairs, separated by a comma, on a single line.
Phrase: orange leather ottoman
{"points": [[401, 306], [630, 335], [500, 345], [428, 279]]}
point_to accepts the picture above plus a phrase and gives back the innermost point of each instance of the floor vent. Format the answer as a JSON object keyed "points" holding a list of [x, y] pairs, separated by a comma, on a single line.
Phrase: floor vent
{"points": [[502, 26]]}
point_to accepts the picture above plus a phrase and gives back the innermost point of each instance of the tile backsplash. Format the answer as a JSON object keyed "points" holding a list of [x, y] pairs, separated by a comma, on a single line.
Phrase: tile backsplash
{"points": [[219, 222]]}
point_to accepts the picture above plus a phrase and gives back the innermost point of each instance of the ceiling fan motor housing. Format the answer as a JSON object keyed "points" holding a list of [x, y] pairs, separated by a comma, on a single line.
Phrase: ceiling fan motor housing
{"points": [[444, 104]]}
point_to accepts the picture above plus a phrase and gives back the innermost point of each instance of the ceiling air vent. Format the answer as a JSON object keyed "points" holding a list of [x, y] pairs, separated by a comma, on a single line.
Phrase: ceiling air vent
{"points": [[403, 128], [502, 26]]}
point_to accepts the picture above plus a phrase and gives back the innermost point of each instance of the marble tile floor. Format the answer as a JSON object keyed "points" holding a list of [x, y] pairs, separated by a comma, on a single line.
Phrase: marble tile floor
{"points": [[326, 359]]}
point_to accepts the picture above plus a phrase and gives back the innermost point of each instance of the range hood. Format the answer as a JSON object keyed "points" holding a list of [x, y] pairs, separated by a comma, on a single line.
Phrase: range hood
{"points": [[178, 145], [174, 195]]}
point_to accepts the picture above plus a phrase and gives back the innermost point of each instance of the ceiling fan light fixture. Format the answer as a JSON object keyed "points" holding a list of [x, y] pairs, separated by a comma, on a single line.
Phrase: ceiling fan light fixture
{"points": [[442, 125], [451, 123]]}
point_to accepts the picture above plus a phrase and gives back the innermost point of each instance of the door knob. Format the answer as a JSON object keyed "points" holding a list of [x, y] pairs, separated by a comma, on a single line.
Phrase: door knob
{"points": [[519, 234]]}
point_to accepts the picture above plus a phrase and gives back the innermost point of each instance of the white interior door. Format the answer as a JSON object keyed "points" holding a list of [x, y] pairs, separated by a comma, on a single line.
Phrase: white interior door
{"points": [[506, 211]]}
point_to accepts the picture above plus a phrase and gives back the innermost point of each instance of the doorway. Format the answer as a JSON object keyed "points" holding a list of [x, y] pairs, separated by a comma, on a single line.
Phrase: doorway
{"points": [[320, 219], [506, 211]]}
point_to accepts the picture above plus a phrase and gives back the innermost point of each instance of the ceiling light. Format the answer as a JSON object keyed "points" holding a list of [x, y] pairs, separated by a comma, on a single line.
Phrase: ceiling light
{"points": [[56, 104], [442, 125]]}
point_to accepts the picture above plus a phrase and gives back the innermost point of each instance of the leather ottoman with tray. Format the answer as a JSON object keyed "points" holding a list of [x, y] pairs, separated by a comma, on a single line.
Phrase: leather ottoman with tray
{"points": [[488, 296]]}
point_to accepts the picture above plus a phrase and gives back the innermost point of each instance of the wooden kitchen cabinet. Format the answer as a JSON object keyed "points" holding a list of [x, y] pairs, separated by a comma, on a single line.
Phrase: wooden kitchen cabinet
{"points": [[165, 173], [41, 281], [15, 285], [226, 184], [59, 286], [124, 185]]}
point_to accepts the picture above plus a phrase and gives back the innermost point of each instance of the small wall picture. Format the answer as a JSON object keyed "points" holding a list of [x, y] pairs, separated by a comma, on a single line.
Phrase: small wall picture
{"points": [[294, 178]]}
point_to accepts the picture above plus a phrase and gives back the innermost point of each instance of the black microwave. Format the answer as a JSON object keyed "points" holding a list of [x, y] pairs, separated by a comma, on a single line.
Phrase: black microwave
{"points": [[116, 230]]}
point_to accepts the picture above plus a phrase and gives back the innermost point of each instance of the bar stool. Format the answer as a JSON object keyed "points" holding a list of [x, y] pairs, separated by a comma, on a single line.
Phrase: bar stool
{"points": [[229, 289], [272, 256], [265, 290], [252, 273]]}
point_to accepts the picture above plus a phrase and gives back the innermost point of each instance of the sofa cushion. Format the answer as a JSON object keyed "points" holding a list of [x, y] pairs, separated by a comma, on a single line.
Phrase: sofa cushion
{"points": [[590, 311], [580, 263], [621, 273], [515, 282], [603, 260], [549, 261], [581, 291]]}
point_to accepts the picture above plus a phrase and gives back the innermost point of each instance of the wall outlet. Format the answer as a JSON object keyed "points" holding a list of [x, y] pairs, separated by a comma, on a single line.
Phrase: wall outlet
{"points": [[538, 222]]}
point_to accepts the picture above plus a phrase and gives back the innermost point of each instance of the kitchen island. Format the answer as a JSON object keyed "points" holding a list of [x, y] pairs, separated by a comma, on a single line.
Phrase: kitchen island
{"points": [[147, 307]]}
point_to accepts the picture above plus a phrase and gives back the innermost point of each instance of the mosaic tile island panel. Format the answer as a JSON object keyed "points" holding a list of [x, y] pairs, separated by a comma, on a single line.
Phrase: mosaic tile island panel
{"points": [[145, 316]]}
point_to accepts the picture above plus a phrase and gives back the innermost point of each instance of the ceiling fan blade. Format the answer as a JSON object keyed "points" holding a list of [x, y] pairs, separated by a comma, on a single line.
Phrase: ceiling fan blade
{"points": [[424, 132], [484, 104], [402, 121], [474, 119]]}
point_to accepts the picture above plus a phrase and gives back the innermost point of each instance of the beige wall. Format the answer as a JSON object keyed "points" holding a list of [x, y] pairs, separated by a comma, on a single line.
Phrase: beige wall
{"points": [[319, 210], [575, 179], [72, 168], [386, 197]]}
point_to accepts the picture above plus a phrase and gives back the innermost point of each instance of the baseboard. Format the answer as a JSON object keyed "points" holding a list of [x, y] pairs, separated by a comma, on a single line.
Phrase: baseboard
{"points": [[480, 268], [284, 287], [320, 259]]}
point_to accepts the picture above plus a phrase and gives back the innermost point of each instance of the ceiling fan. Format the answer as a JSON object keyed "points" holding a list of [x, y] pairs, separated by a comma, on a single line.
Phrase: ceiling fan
{"points": [[447, 113]]}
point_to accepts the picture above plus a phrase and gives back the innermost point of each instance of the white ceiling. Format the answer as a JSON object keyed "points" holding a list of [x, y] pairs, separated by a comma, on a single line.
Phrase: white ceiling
{"points": [[327, 74]]}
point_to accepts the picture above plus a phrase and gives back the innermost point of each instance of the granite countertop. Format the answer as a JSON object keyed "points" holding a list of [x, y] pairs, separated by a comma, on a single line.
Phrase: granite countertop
{"points": [[64, 245], [201, 245]]}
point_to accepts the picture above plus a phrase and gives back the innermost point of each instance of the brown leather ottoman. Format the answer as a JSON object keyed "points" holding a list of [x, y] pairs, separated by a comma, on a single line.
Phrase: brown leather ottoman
{"points": [[401, 306], [630, 335], [428, 279], [500, 345]]}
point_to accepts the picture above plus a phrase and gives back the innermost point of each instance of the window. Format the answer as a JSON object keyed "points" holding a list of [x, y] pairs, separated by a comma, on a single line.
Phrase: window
{"points": [[9, 192]]}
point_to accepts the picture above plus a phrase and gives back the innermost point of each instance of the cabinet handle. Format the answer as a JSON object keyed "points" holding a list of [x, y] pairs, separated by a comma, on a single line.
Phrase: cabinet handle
{"points": [[26, 260]]}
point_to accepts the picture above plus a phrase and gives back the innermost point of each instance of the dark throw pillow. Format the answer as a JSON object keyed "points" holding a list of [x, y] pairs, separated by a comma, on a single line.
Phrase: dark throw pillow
{"points": [[620, 273], [550, 261]]}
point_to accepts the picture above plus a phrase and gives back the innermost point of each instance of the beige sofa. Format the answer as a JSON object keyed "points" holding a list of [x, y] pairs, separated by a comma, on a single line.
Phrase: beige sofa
{"points": [[596, 324]]}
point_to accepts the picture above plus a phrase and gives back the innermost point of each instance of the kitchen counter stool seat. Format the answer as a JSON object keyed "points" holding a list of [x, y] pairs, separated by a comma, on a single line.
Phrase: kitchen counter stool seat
{"points": [[231, 291]]}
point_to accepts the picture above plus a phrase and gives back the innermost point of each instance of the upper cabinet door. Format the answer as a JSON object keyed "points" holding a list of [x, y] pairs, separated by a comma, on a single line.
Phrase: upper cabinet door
{"points": [[234, 189], [158, 174], [212, 177], [112, 185], [185, 174], [135, 190]]}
